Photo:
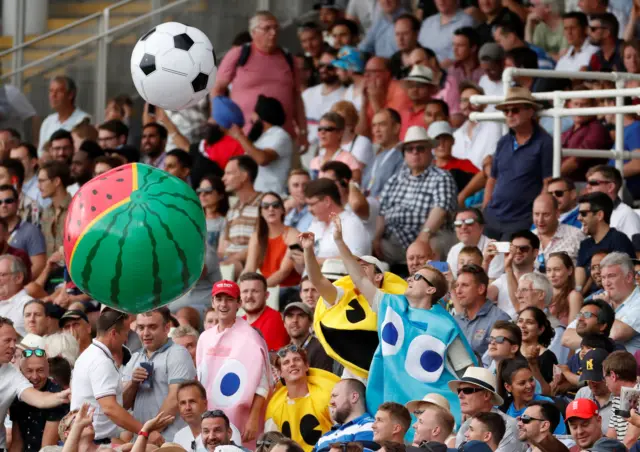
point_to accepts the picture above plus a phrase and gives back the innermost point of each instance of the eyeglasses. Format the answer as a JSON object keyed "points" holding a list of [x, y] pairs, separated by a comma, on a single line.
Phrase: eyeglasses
{"points": [[212, 413], [286, 349], [469, 391], [499, 339], [586, 315], [526, 419], [28, 353], [467, 221], [274, 204], [325, 66], [558, 193], [269, 28], [327, 129], [596, 182], [7, 201], [204, 190], [522, 248], [511, 110], [418, 277], [419, 148]]}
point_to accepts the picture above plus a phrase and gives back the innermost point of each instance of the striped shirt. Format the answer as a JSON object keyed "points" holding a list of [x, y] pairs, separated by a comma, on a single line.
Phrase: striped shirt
{"points": [[241, 222], [358, 430], [616, 422]]}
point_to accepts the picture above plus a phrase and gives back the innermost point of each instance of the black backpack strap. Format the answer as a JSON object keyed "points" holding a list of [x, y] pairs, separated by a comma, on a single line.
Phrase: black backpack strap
{"points": [[288, 57], [244, 54]]}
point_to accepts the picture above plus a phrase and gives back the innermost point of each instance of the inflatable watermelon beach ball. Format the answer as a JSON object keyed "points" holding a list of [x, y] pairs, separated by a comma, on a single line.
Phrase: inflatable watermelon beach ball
{"points": [[135, 238]]}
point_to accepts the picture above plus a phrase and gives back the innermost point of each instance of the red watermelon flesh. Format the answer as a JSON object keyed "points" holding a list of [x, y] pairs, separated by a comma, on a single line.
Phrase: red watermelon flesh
{"points": [[119, 183]]}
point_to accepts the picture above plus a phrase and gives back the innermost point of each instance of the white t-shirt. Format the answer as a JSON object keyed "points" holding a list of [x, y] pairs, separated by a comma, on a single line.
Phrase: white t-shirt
{"points": [[12, 309], [317, 104], [52, 123], [573, 61], [184, 437], [273, 177], [350, 95], [625, 220], [361, 148], [482, 143], [95, 375], [12, 385], [354, 233], [491, 88], [504, 301], [496, 268]]}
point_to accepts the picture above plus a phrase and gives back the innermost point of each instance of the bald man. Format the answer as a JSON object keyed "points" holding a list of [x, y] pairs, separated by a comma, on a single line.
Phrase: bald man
{"points": [[554, 236], [418, 253]]}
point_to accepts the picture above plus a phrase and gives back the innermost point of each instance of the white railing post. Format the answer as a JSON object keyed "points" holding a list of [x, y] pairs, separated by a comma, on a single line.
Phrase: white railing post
{"points": [[558, 103], [619, 142], [18, 39], [101, 67]]}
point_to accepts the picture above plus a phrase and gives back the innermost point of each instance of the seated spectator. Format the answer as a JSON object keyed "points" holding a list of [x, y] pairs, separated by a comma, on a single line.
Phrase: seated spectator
{"points": [[77, 324], [350, 69], [420, 88], [192, 403], [330, 133], [13, 296], [566, 300], [347, 408], [178, 163], [631, 138], [564, 190], [402, 210], [437, 31], [596, 275], [510, 37], [554, 236], [268, 144], [406, 29], [587, 133], [308, 74], [329, 11], [323, 198], [111, 134], [426, 57], [210, 318], [357, 145], [31, 199], [60, 372], [418, 254], [595, 214], [379, 39], [603, 33], [545, 28], [83, 164], [575, 27], [298, 321], [491, 57], [269, 244], [434, 424], [154, 144], [538, 424], [596, 391], [488, 428], [537, 333], [217, 431], [461, 170], [392, 421], [505, 341], [620, 369], [298, 215], [35, 319], [596, 317], [344, 32]]}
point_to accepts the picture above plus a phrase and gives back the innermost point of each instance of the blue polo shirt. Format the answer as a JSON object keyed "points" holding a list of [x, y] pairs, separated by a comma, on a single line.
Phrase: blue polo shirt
{"points": [[631, 143], [519, 171], [613, 241], [478, 330], [357, 430]]}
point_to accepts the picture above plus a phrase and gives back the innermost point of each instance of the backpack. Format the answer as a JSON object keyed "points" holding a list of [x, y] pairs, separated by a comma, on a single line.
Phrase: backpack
{"points": [[246, 52]]}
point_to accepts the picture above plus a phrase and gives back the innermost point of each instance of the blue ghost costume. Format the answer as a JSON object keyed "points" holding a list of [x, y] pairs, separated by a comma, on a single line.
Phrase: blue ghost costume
{"points": [[411, 359]]}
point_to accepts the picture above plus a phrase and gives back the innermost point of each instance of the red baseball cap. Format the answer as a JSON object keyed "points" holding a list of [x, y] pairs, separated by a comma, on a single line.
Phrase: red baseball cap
{"points": [[227, 287], [582, 408]]}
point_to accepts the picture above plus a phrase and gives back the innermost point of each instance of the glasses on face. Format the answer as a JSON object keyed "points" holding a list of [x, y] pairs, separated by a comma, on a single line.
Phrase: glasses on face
{"points": [[558, 193], [274, 204], [586, 315], [526, 419], [596, 182], [269, 28], [511, 110], [204, 190], [418, 277], [326, 66], [584, 213], [7, 201], [469, 391], [468, 222], [289, 348], [499, 339], [327, 129], [419, 148], [595, 27], [522, 248], [28, 353]]}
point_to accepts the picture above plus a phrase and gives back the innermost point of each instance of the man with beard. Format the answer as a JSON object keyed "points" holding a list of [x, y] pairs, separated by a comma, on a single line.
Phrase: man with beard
{"points": [[595, 317], [350, 69], [298, 321], [268, 144], [61, 148], [537, 424], [603, 33], [53, 180], [83, 164], [215, 431], [347, 408], [153, 144], [319, 99]]}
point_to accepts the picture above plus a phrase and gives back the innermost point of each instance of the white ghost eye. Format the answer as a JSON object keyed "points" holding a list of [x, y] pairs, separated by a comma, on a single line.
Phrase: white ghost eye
{"points": [[391, 333], [425, 358], [229, 384]]}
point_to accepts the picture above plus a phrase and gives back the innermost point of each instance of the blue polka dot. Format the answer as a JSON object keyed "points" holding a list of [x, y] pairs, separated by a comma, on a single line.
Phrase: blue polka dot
{"points": [[390, 334], [430, 361], [229, 384]]}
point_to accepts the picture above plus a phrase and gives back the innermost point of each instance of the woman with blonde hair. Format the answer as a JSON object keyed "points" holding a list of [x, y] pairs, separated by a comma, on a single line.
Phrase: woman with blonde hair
{"points": [[359, 146]]}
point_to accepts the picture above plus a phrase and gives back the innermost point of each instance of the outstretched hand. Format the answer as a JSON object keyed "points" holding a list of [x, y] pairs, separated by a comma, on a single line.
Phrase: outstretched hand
{"points": [[158, 423], [84, 418], [307, 240], [337, 227]]}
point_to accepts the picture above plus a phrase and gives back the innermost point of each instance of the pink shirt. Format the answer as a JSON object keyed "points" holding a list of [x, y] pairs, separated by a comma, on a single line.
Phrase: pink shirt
{"points": [[263, 73], [342, 156], [451, 91]]}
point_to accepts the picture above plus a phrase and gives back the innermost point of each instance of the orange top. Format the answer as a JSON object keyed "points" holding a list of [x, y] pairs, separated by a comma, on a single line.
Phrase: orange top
{"points": [[276, 250]]}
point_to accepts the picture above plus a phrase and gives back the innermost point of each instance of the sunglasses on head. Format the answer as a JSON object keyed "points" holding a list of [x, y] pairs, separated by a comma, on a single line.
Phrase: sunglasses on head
{"points": [[117, 316], [274, 204], [7, 201], [468, 222], [28, 353], [526, 419], [284, 350], [212, 413], [499, 339]]}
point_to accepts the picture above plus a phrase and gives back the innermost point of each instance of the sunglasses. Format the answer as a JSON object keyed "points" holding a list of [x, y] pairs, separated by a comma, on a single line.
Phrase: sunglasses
{"points": [[327, 129], [117, 316], [419, 148], [499, 339], [526, 419], [325, 66], [469, 391], [584, 213], [558, 193], [510, 110], [418, 277], [28, 353], [274, 204], [284, 350], [596, 182], [586, 315], [522, 248], [7, 201], [204, 190], [468, 222]]}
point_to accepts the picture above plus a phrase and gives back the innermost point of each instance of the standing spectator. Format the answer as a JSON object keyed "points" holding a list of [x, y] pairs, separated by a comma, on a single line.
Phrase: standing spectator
{"points": [[153, 387], [564, 190], [192, 403], [357, 145], [587, 132], [380, 39], [53, 180], [22, 235], [544, 27], [298, 215], [523, 159], [298, 321], [96, 380], [576, 25], [437, 31], [497, 12], [310, 37], [406, 214], [76, 323], [406, 29], [479, 313], [153, 144], [620, 370], [268, 144], [420, 88], [308, 293], [249, 79], [253, 295], [319, 99], [350, 70], [603, 33], [242, 219], [491, 57], [62, 100], [510, 37], [462, 170], [34, 428]]}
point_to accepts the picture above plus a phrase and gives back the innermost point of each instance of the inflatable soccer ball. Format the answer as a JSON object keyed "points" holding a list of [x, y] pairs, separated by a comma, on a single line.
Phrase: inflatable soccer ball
{"points": [[173, 66], [134, 238]]}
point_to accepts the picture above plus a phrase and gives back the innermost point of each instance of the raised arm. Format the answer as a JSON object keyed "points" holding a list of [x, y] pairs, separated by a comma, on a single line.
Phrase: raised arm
{"points": [[324, 287]]}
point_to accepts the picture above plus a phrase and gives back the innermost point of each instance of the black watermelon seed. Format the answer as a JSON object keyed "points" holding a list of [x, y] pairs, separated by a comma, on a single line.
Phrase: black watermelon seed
{"points": [[68, 238], [109, 196], [93, 208], [81, 206], [120, 180], [95, 192]]}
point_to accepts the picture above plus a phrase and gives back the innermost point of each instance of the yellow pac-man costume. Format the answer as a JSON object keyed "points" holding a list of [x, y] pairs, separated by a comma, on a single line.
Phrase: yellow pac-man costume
{"points": [[348, 329], [304, 419]]}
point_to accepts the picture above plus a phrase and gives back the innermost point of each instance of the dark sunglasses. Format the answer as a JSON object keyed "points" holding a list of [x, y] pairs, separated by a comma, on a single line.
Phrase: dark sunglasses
{"points": [[584, 213], [325, 66], [327, 129], [117, 316], [469, 391], [419, 148], [286, 349], [522, 248], [28, 353], [7, 201], [526, 419], [499, 339], [418, 277], [204, 190], [468, 222], [596, 182], [558, 193], [274, 204], [509, 110]]}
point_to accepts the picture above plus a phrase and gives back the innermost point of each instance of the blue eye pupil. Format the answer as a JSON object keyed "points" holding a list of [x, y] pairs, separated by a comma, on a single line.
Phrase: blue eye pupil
{"points": [[229, 384], [390, 334], [430, 361]]}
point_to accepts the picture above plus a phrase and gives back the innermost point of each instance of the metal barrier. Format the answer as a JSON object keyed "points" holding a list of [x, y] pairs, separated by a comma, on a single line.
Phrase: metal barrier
{"points": [[558, 111]]}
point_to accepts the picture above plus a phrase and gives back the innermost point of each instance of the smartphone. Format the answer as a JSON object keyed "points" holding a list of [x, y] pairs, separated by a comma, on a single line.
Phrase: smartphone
{"points": [[147, 383], [151, 110], [440, 266], [622, 413], [295, 247], [502, 247]]}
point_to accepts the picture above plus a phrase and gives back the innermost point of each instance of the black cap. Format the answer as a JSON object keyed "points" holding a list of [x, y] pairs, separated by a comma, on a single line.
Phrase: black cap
{"points": [[91, 306], [591, 365], [74, 314], [54, 311]]}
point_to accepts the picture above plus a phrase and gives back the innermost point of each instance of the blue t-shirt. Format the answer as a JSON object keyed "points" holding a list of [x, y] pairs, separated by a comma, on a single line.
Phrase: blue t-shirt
{"points": [[631, 142], [561, 429], [613, 241]]}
